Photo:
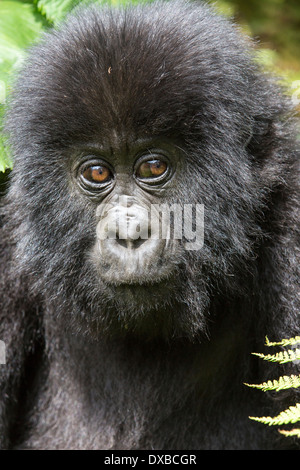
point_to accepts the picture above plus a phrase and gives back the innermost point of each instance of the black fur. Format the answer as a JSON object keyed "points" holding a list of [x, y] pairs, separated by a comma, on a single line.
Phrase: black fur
{"points": [[90, 366]]}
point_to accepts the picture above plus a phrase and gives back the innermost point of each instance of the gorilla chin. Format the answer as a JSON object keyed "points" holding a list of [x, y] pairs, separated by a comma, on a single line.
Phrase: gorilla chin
{"points": [[148, 310]]}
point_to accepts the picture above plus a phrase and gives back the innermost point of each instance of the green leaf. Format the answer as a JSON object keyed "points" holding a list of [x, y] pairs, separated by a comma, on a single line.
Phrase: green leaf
{"points": [[284, 382], [291, 433], [5, 159], [20, 25], [281, 357], [56, 10], [284, 342], [291, 415]]}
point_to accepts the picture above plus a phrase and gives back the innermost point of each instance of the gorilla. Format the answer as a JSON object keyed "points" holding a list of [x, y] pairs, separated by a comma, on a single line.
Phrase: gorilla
{"points": [[149, 236]]}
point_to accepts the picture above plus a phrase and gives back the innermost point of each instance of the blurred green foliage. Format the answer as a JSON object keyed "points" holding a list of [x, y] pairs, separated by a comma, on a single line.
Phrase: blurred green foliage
{"points": [[274, 23]]}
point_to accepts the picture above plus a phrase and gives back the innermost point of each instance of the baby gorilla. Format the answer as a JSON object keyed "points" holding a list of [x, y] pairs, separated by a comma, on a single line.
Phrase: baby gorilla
{"points": [[149, 236]]}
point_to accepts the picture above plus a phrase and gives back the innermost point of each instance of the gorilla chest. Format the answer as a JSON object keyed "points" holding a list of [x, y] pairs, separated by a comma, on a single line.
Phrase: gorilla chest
{"points": [[129, 398]]}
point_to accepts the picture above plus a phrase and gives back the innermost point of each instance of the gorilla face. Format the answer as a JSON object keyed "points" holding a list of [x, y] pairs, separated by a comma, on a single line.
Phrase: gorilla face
{"points": [[132, 254], [130, 248], [123, 129]]}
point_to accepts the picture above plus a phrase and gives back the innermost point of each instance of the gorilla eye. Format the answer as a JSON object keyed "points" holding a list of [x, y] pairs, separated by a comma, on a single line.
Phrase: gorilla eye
{"points": [[151, 169], [97, 174]]}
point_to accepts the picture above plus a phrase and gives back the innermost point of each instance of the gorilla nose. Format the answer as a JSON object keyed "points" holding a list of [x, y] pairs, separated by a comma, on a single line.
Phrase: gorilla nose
{"points": [[124, 225], [128, 243], [132, 231]]}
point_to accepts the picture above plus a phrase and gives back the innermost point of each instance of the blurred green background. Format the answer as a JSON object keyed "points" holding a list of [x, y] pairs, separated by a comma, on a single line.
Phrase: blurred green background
{"points": [[275, 24]]}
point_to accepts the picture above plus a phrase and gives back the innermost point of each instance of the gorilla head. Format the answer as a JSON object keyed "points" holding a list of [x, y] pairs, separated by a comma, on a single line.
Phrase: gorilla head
{"points": [[122, 114]]}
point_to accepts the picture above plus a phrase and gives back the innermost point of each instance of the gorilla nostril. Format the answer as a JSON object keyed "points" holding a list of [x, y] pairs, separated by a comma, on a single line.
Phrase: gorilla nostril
{"points": [[137, 243], [129, 242], [122, 242]]}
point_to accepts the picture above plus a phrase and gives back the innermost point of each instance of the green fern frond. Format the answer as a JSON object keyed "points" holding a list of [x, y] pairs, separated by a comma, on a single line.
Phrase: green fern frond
{"points": [[291, 415], [281, 357], [292, 432], [284, 382], [284, 342]]}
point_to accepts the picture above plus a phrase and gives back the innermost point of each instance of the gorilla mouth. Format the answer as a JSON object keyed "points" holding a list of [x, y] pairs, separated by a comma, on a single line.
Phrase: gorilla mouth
{"points": [[133, 272]]}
